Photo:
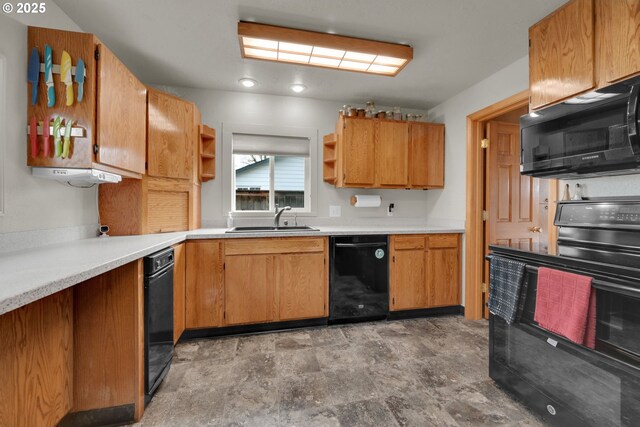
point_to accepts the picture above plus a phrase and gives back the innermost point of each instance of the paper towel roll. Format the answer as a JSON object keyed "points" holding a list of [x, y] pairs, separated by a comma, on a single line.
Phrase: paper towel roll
{"points": [[362, 201]]}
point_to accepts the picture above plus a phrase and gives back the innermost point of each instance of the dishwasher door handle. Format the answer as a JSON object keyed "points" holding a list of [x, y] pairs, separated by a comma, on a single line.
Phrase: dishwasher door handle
{"points": [[360, 245]]}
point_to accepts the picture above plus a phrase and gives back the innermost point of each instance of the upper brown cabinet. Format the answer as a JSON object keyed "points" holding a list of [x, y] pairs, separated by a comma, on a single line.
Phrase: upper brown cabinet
{"points": [[358, 142], [619, 23], [171, 136], [392, 154], [426, 155], [584, 45], [561, 50], [109, 122], [378, 153]]}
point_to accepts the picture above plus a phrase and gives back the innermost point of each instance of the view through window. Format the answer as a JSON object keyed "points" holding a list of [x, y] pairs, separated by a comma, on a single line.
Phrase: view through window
{"points": [[270, 172]]}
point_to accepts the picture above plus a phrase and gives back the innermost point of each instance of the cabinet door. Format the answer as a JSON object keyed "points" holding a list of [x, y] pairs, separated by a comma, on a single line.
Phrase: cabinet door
{"points": [[358, 152], [392, 154], [179, 290], [170, 136], [203, 302], [620, 37], [302, 285], [121, 119], [443, 270], [561, 50], [427, 155], [249, 289], [407, 284]]}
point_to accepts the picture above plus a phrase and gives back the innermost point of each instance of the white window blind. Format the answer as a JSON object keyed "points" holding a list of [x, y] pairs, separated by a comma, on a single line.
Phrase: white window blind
{"points": [[270, 145]]}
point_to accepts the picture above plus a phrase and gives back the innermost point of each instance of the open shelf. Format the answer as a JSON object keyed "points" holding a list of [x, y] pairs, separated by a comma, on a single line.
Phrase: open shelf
{"points": [[207, 153], [329, 157]]}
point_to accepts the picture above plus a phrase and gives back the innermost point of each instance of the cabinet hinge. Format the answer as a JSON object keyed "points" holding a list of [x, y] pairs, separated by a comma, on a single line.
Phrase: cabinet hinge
{"points": [[344, 176], [484, 143], [96, 149], [96, 54], [393, 301], [484, 288], [394, 258], [224, 315], [529, 42], [224, 265], [485, 215]]}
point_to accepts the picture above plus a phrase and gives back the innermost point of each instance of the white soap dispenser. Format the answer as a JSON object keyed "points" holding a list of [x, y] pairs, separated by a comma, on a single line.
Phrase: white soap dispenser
{"points": [[229, 220]]}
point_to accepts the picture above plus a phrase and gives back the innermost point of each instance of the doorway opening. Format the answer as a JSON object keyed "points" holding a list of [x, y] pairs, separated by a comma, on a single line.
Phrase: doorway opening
{"points": [[503, 207]]}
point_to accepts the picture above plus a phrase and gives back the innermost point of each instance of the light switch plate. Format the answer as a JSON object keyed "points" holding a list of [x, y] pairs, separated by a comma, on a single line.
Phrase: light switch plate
{"points": [[335, 211]]}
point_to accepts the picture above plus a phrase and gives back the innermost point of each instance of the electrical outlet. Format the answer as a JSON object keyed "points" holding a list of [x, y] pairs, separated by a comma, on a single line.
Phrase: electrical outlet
{"points": [[335, 211]]}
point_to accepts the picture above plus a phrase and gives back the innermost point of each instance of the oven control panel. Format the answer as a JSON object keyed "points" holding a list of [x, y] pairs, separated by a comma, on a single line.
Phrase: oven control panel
{"points": [[599, 214]]}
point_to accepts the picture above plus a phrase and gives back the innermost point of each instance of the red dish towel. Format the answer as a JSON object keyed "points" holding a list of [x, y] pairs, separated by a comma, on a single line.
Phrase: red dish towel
{"points": [[566, 305]]}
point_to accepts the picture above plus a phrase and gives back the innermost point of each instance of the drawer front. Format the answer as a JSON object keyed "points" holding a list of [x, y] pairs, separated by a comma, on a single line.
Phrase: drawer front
{"points": [[167, 211], [274, 245], [443, 240], [408, 242]]}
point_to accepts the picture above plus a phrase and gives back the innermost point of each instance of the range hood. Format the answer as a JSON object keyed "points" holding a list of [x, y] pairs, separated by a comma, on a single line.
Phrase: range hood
{"points": [[77, 177]]}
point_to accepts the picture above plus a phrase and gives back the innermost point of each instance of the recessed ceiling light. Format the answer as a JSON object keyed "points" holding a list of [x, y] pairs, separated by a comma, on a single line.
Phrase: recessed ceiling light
{"points": [[297, 88], [281, 44], [246, 82]]}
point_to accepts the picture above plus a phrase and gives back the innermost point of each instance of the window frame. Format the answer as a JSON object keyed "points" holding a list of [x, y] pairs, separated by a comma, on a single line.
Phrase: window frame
{"points": [[228, 170]]}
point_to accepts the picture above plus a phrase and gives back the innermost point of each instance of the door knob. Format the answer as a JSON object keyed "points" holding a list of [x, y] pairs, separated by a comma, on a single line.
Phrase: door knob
{"points": [[535, 229]]}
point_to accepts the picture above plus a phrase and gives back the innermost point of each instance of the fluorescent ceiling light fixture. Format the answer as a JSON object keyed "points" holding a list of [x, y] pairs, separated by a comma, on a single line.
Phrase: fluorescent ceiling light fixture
{"points": [[246, 82], [281, 44], [297, 88]]}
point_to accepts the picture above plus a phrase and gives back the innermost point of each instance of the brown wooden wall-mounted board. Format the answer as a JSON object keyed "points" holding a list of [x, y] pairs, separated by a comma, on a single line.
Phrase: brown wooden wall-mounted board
{"points": [[78, 45]]}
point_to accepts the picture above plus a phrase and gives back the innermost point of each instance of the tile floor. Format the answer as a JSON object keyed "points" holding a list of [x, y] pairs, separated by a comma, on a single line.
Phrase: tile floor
{"points": [[418, 372]]}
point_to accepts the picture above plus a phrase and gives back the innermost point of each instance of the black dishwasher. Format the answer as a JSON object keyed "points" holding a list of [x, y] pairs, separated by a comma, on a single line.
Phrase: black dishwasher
{"points": [[359, 286], [158, 318]]}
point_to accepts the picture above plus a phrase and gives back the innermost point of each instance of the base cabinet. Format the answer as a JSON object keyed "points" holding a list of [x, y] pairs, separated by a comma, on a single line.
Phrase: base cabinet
{"points": [[425, 271], [203, 294], [276, 279]]}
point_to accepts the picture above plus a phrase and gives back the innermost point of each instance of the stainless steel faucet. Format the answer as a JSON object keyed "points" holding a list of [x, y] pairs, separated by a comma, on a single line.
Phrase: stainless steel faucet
{"points": [[276, 219]]}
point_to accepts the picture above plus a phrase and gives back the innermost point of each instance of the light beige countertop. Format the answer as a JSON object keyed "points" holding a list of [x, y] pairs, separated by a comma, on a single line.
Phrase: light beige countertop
{"points": [[32, 274]]}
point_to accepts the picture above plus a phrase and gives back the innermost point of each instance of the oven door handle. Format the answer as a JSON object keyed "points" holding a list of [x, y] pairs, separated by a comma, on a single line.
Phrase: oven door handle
{"points": [[598, 284], [632, 118], [360, 245]]}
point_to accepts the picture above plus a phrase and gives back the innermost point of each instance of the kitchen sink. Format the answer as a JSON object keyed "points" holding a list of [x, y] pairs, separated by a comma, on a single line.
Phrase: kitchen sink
{"points": [[271, 229]]}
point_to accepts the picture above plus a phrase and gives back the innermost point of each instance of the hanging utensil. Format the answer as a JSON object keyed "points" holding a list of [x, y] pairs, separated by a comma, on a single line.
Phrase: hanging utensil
{"points": [[67, 139], [65, 75], [33, 136], [80, 79], [57, 141], [48, 76], [45, 136], [33, 74]]}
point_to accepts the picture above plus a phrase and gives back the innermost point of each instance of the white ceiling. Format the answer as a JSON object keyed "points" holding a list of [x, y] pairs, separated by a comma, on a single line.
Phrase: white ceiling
{"points": [[193, 43]]}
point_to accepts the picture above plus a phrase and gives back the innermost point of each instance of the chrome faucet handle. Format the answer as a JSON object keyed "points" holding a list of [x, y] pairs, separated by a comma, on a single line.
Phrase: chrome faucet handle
{"points": [[295, 219]]}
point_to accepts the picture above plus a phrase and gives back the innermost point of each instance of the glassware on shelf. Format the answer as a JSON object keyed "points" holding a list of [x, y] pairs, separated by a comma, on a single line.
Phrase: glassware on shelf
{"points": [[397, 114], [370, 109], [389, 115], [345, 109], [411, 117]]}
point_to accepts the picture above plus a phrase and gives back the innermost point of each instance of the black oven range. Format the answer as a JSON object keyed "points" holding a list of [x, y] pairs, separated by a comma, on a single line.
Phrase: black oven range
{"points": [[566, 383]]}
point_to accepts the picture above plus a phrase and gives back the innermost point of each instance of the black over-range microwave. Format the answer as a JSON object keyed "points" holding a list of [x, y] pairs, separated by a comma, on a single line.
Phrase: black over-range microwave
{"points": [[593, 134]]}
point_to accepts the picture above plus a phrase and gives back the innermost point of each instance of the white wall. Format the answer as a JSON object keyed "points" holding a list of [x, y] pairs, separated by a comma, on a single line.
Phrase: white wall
{"points": [[453, 113], [611, 186], [30, 203], [220, 107]]}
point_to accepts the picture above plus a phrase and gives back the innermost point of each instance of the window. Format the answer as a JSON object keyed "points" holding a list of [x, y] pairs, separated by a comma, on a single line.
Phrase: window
{"points": [[269, 171]]}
